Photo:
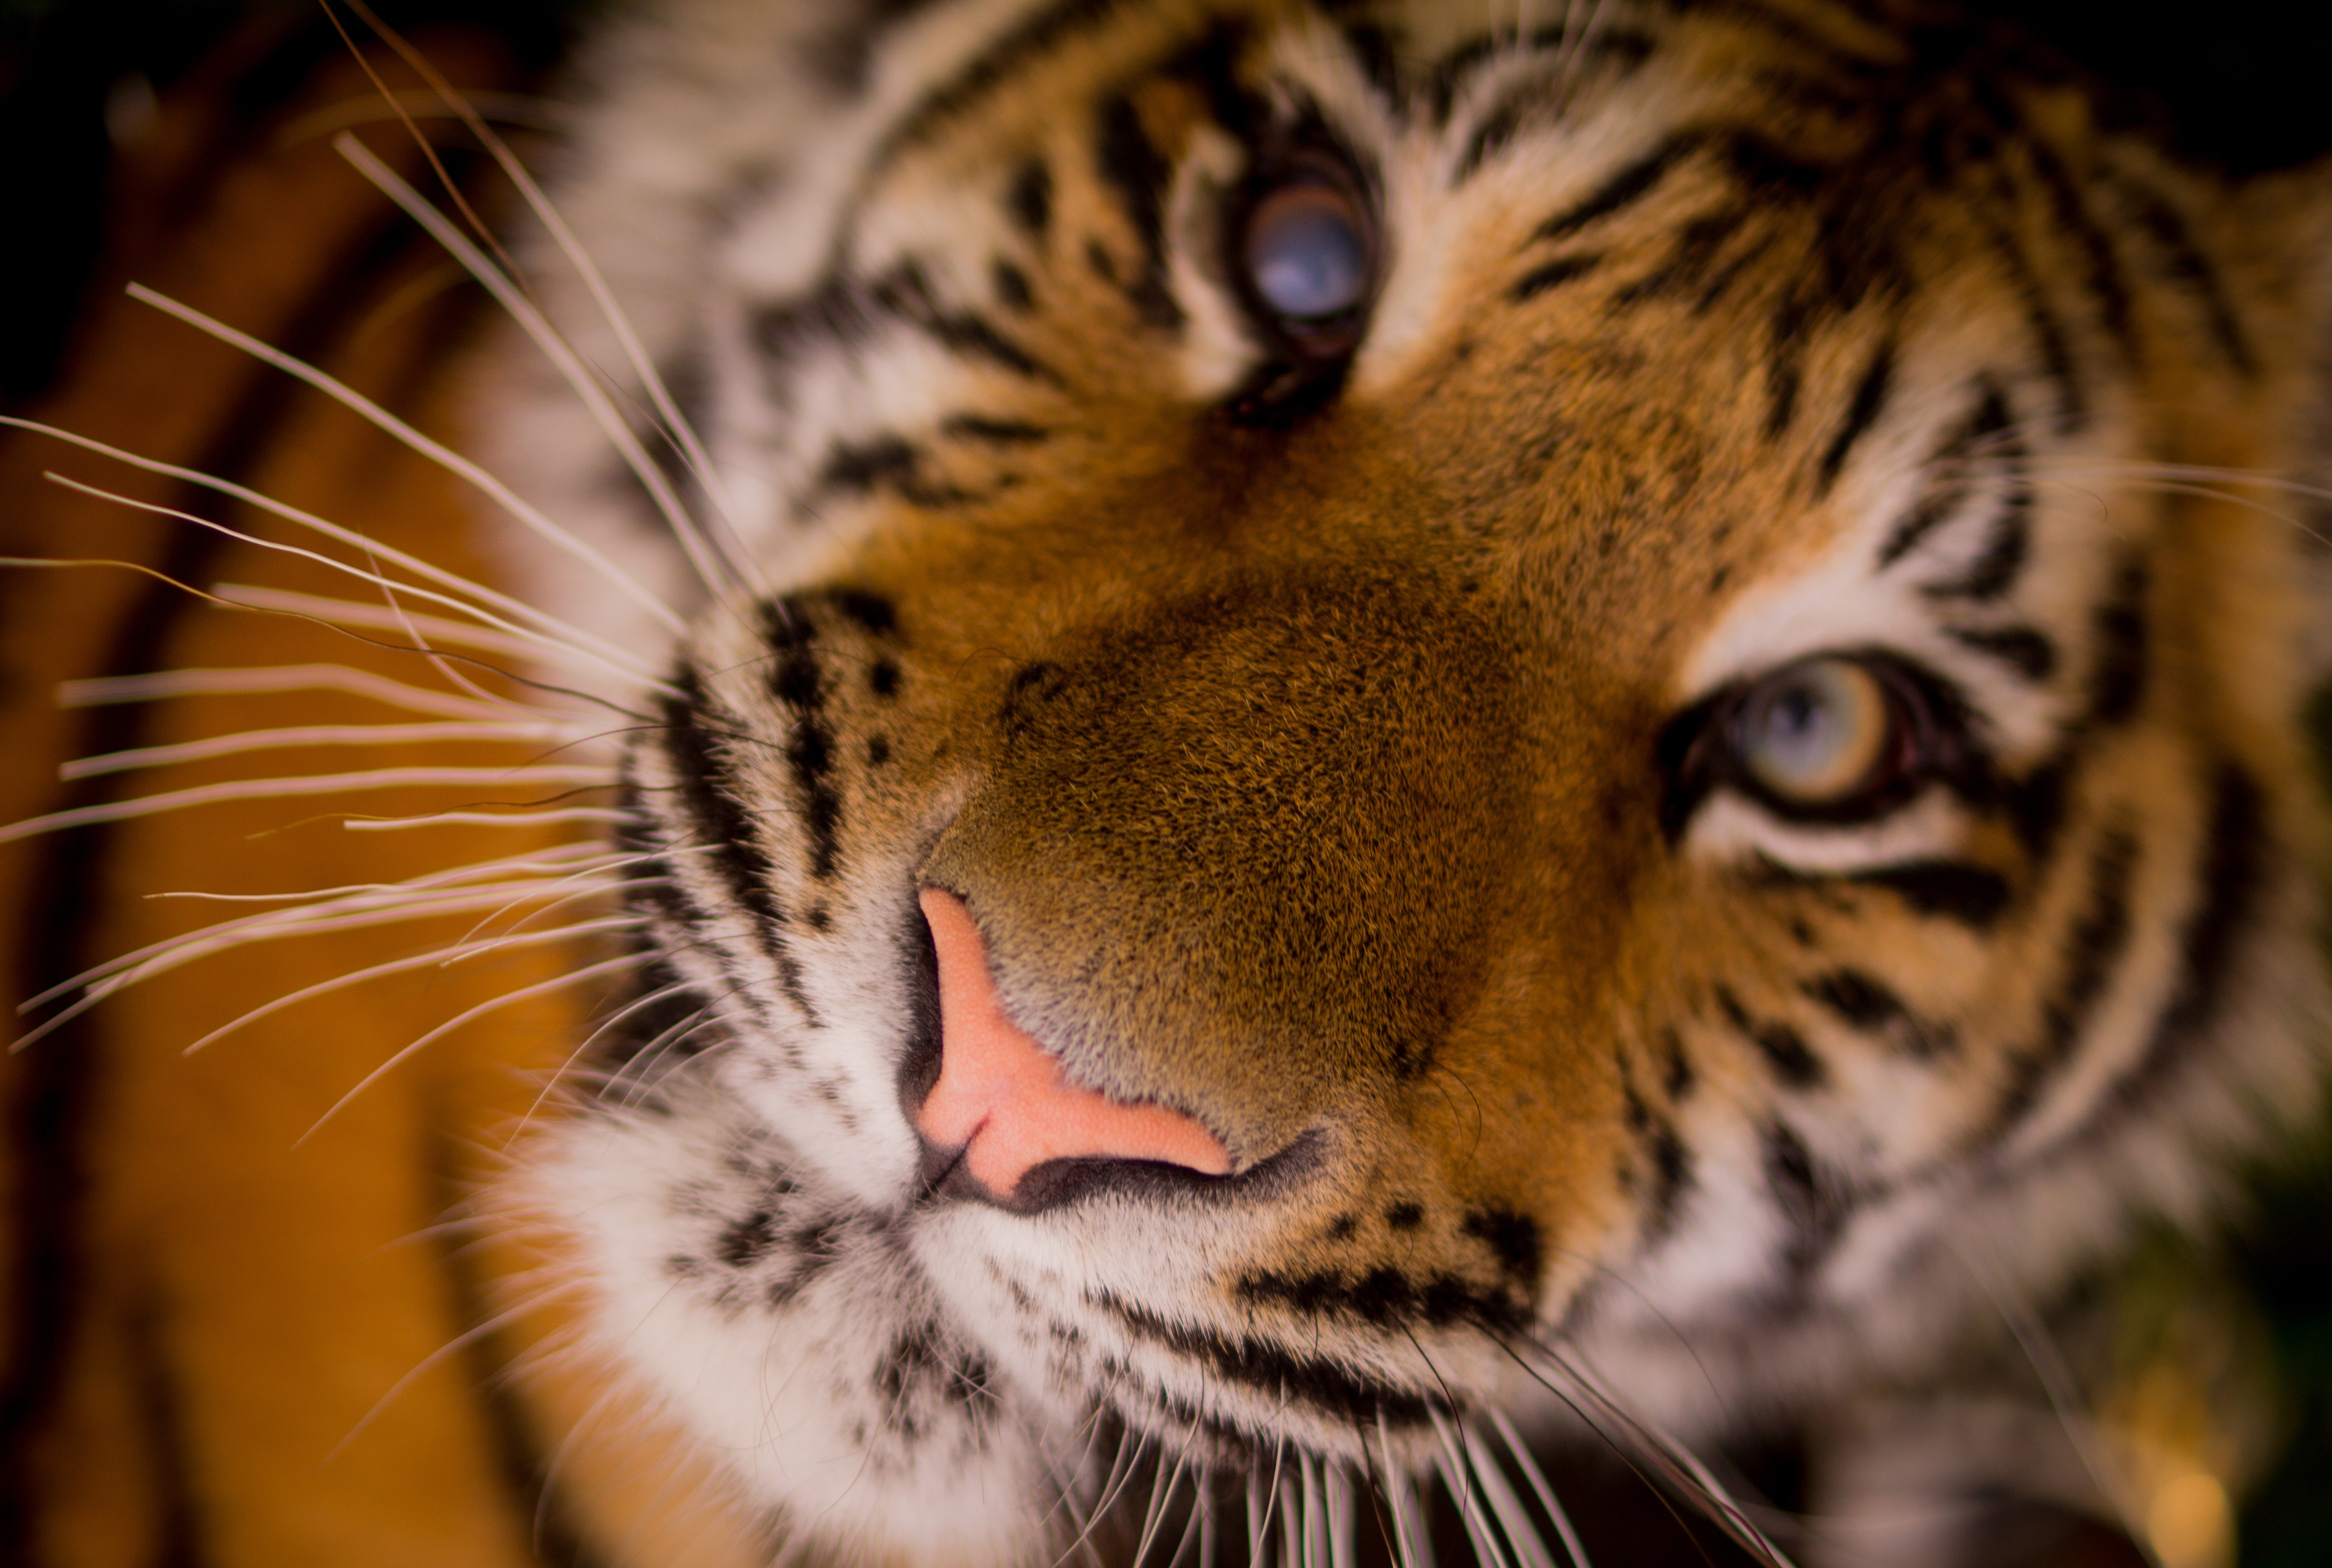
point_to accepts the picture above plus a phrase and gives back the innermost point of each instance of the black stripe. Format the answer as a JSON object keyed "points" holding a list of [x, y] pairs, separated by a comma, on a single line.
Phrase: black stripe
{"points": [[1029, 199], [2234, 862], [2005, 554], [1869, 1005], [888, 462], [797, 682], [2108, 285], [1974, 895], [1135, 168], [2040, 316], [2023, 649], [1554, 274], [990, 67], [1696, 247], [1784, 1048], [1662, 1150], [2192, 269], [1629, 185], [1814, 1201], [1344, 1392], [1869, 402], [1985, 423], [2122, 660], [1785, 361], [709, 794], [2093, 949], [994, 432]]}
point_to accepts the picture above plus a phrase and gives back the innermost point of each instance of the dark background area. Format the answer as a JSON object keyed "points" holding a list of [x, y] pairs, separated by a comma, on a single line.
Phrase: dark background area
{"points": [[2241, 86]]}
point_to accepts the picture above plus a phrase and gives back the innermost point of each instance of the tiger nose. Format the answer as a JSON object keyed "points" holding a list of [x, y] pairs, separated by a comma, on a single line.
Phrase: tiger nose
{"points": [[1006, 1102]]}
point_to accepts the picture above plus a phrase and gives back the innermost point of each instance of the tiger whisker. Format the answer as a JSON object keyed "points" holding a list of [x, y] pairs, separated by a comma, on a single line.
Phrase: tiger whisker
{"points": [[435, 956], [557, 983], [547, 860], [481, 819], [459, 730], [165, 684], [375, 618], [676, 423], [554, 633], [1412, 1546], [437, 451], [546, 338], [1539, 1485], [1457, 1474]]}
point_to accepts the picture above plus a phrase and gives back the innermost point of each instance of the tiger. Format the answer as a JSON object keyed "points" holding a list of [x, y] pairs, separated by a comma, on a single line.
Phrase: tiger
{"points": [[1328, 739]]}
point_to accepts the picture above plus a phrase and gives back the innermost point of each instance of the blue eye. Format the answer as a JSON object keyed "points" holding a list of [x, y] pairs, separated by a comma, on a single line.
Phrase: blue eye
{"points": [[1820, 731], [1308, 252]]}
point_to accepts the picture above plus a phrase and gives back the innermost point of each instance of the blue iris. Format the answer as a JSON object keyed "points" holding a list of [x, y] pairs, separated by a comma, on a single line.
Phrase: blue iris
{"points": [[1307, 253]]}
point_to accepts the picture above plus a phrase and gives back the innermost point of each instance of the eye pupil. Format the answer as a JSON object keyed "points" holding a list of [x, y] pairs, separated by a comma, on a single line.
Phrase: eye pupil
{"points": [[1818, 732], [1308, 253]]}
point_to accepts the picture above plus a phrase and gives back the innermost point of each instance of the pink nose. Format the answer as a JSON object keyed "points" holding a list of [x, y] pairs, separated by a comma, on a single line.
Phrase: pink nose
{"points": [[1003, 1099]]}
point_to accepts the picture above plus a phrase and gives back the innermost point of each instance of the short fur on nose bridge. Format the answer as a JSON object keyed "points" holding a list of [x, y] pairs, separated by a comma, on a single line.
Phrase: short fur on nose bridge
{"points": [[1004, 1099]]}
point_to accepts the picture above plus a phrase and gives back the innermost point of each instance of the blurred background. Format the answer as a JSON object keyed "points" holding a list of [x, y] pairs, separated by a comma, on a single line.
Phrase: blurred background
{"points": [[119, 119]]}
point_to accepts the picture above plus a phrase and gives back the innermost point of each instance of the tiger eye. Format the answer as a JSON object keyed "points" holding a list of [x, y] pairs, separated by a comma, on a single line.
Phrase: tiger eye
{"points": [[1820, 731], [1308, 252]]}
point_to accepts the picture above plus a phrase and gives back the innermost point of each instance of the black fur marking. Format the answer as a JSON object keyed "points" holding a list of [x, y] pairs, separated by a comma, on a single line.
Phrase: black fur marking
{"points": [[2233, 862], [748, 1241], [1975, 440], [994, 432], [1385, 1297], [882, 678], [2040, 320], [878, 751], [2024, 649], [992, 67], [1785, 363], [1698, 245], [1677, 1074], [888, 462], [1031, 687], [1671, 1166], [708, 795], [2109, 286], [1786, 1049], [1405, 1215], [1974, 895], [873, 612], [1813, 1203], [1139, 173], [1995, 572], [906, 294], [1011, 286], [796, 681], [1029, 199], [1553, 275], [1349, 1395], [1625, 188], [1513, 1240], [1869, 1005], [2188, 266], [2093, 948], [2117, 679], [1869, 402]]}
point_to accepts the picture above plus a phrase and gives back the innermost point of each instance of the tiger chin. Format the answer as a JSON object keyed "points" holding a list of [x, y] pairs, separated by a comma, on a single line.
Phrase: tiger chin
{"points": [[1405, 720]]}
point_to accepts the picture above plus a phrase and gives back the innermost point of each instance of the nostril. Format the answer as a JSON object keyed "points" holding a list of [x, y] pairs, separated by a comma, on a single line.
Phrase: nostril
{"points": [[1004, 1101]]}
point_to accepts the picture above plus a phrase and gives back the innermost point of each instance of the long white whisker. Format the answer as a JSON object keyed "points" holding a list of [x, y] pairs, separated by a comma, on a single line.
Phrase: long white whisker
{"points": [[482, 820], [376, 617], [1513, 1519], [308, 784], [546, 643], [433, 957], [1414, 1546], [577, 376], [667, 407], [576, 637], [457, 730], [436, 451], [1546, 1497], [558, 982], [163, 684], [1343, 1518], [1458, 1475]]}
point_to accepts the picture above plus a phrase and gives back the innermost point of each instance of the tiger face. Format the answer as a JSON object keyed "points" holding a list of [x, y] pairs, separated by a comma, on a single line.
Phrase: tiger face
{"points": [[1399, 703]]}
